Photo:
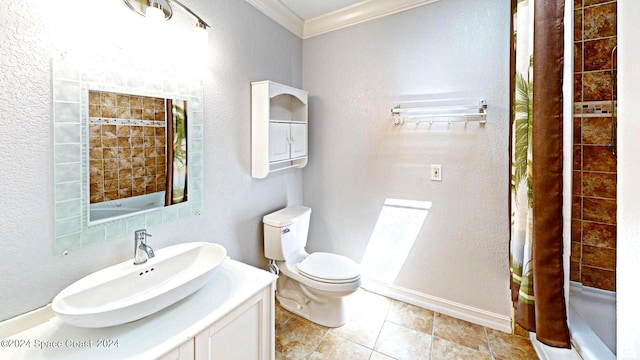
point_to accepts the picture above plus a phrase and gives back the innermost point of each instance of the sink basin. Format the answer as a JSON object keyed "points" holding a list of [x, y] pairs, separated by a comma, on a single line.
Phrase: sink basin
{"points": [[125, 292]]}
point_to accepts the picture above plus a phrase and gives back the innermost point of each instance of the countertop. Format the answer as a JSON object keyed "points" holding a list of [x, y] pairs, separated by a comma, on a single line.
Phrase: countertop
{"points": [[148, 338]]}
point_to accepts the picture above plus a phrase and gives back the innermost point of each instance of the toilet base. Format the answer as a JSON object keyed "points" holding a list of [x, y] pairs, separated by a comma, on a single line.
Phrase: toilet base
{"points": [[310, 304]]}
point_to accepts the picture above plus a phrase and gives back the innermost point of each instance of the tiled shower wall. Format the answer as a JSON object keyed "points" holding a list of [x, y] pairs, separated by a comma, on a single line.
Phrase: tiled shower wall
{"points": [[593, 253], [127, 138]]}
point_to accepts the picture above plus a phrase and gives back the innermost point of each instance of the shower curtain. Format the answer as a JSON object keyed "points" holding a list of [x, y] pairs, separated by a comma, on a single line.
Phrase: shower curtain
{"points": [[537, 276]]}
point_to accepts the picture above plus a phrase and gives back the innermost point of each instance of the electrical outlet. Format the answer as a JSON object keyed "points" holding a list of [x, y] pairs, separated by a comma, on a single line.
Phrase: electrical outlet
{"points": [[436, 172]]}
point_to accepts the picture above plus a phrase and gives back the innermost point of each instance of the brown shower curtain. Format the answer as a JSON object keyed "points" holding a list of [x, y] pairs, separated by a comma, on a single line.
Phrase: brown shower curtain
{"points": [[541, 306]]}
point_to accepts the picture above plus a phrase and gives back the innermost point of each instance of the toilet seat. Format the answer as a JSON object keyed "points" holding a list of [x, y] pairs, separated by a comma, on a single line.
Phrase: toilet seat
{"points": [[329, 268]]}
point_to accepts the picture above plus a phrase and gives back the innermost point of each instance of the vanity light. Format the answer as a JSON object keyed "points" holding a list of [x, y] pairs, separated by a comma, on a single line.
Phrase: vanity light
{"points": [[156, 9]]}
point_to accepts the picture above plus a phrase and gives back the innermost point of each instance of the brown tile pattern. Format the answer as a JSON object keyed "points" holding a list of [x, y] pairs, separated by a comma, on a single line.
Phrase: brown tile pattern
{"points": [[599, 21], [125, 160], [593, 227], [446, 338]]}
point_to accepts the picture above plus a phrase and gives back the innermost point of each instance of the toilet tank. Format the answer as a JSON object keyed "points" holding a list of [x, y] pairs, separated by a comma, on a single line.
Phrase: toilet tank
{"points": [[285, 231]]}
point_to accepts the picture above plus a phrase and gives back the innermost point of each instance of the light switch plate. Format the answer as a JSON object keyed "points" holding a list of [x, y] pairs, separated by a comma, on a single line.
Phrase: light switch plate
{"points": [[436, 172]]}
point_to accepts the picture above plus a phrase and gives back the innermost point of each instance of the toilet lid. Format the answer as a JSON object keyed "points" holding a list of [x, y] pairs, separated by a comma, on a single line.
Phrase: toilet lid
{"points": [[327, 267]]}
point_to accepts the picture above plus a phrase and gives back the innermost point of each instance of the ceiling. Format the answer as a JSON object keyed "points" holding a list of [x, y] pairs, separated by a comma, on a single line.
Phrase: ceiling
{"points": [[308, 9]]}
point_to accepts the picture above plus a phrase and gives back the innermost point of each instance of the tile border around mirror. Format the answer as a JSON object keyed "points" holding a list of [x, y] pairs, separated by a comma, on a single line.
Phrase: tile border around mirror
{"points": [[70, 83]]}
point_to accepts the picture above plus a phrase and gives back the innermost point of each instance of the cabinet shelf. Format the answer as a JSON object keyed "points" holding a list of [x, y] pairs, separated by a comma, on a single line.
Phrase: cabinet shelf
{"points": [[279, 128]]}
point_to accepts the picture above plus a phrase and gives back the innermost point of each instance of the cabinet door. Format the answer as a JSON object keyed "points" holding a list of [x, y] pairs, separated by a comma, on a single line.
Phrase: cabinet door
{"points": [[184, 352], [247, 333], [278, 141], [298, 140]]}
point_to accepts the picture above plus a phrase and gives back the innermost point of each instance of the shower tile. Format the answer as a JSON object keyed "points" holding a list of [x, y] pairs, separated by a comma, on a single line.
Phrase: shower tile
{"points": [[577, 130], [159, 116], [598, 158], [110, 185], [598, 278], [123, 113], [597, 54], [599, 234], [94, 98], [95, 111], [577, 157], [594, 2], [599, 210], [577, 87], [596, 130], [575, 271], [577, 183], [576, 251], [461, 332], [136, 114], [506, 346], [596, 86], [125, 193], [577, 57], [577, 4], [600, 185], [577, 25], [599, 257], [576, 230], [148, 114], [123, 101], [135, 102], [600, 21], [576, 207], [110, 195], [108, 111]]}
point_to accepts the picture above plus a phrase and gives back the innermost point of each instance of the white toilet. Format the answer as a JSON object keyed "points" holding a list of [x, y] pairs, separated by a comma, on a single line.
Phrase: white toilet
{"points": [[313, 286]]}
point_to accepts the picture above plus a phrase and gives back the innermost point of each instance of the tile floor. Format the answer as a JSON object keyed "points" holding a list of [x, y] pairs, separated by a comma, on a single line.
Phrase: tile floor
{"points": [[380, 328]]}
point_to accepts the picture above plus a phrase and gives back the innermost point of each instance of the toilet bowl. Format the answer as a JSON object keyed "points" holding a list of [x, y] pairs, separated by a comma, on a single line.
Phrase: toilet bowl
{"points": [[315, 285]]}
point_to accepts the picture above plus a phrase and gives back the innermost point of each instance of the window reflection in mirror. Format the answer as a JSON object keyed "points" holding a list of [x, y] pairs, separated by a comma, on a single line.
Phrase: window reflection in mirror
{"points": [[137, 147]]}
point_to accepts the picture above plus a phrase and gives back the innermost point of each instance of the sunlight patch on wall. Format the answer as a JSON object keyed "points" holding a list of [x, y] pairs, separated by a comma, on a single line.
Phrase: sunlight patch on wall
{"points": [[393, 236]]}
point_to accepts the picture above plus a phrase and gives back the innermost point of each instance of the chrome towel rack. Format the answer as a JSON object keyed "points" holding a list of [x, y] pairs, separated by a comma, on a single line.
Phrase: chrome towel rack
{"points": [[443, 113]]}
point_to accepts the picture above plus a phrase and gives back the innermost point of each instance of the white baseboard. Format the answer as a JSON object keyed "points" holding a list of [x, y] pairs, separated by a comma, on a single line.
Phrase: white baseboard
{"points": [[442, 306]]}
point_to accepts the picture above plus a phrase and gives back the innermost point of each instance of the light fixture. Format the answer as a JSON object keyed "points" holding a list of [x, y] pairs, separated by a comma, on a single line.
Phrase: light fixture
{"points": [[149, 8]]}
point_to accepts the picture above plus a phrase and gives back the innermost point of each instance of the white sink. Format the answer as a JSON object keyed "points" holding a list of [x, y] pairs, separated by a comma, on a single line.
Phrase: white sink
{"points": [[127, 292]]}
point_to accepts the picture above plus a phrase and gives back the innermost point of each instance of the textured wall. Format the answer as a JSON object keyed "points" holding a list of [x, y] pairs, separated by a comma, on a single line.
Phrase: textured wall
{"points": [[628, 292], [244, 46], [451, 48]]}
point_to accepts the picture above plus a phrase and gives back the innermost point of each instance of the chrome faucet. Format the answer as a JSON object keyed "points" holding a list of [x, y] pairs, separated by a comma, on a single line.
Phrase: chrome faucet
{"points": [[141, 252]]}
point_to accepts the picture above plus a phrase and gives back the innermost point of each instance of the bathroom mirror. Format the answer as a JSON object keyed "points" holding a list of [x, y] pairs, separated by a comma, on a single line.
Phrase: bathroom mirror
{"points": [[137, 149], [128, 151]]}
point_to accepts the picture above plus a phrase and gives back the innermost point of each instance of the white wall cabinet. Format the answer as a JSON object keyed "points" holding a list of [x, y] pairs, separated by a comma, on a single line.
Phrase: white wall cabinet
{"points": [[279, 128]]}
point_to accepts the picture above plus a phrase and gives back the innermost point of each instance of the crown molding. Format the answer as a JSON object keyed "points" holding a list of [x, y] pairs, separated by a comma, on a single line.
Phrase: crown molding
{"points": [[351, 15], [281, 14], [358, 13]]}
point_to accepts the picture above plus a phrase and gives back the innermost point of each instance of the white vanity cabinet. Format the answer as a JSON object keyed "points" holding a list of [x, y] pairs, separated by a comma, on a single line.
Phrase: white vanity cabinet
{"points": [[241, 335], [232, 317], [184, 352], [279, 128]]}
